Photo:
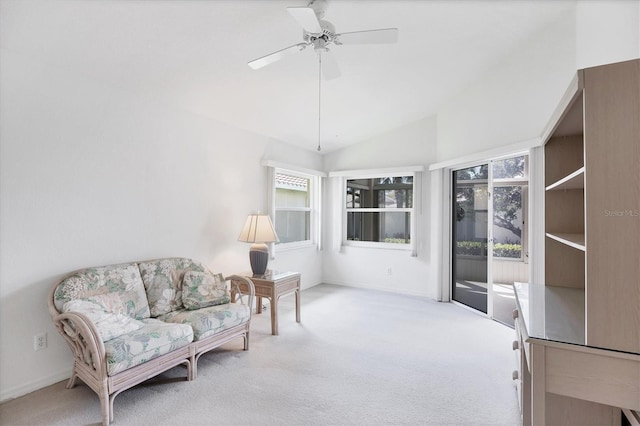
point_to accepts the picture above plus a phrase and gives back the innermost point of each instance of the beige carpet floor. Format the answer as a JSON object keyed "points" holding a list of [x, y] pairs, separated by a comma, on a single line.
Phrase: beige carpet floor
{"points": [[358, 357]]}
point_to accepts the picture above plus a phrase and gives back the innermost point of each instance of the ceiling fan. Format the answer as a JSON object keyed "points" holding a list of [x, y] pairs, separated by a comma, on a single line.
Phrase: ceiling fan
{"points": [[320, 34]]}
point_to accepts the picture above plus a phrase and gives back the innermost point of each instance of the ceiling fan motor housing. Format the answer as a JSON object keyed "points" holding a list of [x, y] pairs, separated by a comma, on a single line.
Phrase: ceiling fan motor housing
{"points": [[320, 41]]}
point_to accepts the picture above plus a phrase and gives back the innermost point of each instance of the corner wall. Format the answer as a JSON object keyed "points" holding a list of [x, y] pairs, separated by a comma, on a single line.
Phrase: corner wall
{"points": [[513, 102], [413, 144], [91, 175]]}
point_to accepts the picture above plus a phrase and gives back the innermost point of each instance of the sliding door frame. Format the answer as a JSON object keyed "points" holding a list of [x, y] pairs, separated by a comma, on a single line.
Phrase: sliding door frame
{"points": [[442, 174], [488, 232]]}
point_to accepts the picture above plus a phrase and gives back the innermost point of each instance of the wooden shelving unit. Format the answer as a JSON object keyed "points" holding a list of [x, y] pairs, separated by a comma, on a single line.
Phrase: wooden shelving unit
{"points": [[574, 180], [592, 266], [565, 246], [572, 240], [592, 203]]}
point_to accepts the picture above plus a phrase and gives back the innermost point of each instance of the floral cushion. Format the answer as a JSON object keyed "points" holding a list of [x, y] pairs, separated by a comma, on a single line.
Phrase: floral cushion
{"points": [[209, 321], [163, 282], [154, 339], [114, 282], [203, 289], [109, 324]]}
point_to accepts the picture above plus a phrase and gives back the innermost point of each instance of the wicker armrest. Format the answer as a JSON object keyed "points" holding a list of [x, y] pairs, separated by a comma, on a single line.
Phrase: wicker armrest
{"points": [[84, 340], [236, 288]]}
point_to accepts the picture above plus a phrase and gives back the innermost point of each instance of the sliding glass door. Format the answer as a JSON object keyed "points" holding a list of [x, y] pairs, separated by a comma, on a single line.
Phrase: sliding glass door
{"points": [[489, 238], [470, 239]]}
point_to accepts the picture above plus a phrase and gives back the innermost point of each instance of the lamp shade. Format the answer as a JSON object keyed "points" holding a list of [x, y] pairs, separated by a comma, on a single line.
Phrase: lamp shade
{"points": [[258, 229]]}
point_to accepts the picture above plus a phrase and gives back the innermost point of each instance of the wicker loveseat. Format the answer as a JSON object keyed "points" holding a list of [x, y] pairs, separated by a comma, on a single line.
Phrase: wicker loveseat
{"points": [[129, 322]]}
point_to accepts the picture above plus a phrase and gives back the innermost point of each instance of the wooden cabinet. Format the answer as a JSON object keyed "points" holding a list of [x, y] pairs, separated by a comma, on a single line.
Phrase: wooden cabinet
{"points": [[578, 332], [612, 193], [592, 203]]}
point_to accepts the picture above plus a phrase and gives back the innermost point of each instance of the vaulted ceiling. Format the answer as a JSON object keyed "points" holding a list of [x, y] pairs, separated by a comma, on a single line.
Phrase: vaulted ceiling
{"points": [[194, 53]]}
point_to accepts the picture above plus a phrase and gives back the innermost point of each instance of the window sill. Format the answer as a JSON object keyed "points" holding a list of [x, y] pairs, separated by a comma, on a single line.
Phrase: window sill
{"points": [[370, 244], [508, 259], [294, 246]]}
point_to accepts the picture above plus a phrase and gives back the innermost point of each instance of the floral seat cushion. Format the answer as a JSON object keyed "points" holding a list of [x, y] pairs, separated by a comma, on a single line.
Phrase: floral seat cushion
{"points": [[154, 339], [209, 321]]}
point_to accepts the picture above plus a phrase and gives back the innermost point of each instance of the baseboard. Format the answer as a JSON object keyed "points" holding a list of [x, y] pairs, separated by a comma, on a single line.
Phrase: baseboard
{"points": [[379, 288], [35, 385]]}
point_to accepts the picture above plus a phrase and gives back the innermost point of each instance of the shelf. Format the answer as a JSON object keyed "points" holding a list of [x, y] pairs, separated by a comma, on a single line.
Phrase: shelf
{"points": [[573, 240], [573, 181]]}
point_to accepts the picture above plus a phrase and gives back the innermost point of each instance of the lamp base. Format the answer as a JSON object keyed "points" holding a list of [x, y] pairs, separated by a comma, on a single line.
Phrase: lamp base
{"points": [[259, 258]]}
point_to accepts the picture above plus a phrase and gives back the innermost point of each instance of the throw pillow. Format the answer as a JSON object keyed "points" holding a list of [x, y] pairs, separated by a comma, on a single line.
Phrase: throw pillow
{"points": [[162, 280], [203, 289], [109, 324]]}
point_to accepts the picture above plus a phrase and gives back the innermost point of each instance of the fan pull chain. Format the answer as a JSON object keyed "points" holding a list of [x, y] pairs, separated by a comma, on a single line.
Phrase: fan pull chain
{"points": [[319, 95]]}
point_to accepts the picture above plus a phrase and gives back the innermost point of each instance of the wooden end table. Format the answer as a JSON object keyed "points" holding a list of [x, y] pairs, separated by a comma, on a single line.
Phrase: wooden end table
{"points": [[272, 286]]}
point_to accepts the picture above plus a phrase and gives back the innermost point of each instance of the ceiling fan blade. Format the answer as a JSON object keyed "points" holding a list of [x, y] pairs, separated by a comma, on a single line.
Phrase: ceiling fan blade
{"points": [[382, 36], [329, 65], [276, 56], [307, 19]]}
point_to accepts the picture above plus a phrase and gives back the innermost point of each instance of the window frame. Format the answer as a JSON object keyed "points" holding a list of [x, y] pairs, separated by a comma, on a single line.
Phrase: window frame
{"points": [[523, 183], [411, 210], [314, 183]]}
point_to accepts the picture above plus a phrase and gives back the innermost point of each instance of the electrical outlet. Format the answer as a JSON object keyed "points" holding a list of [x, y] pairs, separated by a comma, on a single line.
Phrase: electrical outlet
{"points": [[40, 341], [389, 271]]}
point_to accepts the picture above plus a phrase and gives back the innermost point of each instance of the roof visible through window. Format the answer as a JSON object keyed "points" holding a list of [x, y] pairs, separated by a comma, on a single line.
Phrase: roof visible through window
{"points": [[291, 182]]}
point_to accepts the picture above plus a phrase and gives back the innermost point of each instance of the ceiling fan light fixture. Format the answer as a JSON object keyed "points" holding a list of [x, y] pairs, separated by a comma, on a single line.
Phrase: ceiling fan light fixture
{"points": [[320, 45]]}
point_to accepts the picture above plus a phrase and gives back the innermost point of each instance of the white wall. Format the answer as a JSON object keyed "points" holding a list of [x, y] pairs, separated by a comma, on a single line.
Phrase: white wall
{"points": [[91, 175], [607, 31], [410, 145], [514, 101]]}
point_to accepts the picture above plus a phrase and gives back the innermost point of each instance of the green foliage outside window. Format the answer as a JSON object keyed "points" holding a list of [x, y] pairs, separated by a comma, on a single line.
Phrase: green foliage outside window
{"points": [[474, 248]]}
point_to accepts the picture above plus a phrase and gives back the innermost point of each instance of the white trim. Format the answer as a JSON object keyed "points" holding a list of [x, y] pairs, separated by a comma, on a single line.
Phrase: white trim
{"points": [[371, 173], [388, 172], [271, 206], [338, 188], [318, 196], [494, 154], [536, 217], [417, 210], [490, 213], [379, 209], [568, 98], [292, 168], [314, 207], [377, 245], [25, 388], [295, 245], [369, 286], [446, 275]]}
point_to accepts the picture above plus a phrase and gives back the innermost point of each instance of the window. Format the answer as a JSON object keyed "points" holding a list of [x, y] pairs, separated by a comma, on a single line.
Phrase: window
{"points": [[510, 183], [379, 209], [293, 207]]}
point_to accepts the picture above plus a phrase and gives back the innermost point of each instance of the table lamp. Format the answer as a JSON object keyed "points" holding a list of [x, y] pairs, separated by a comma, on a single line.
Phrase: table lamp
{"points": [[258, 229]]}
